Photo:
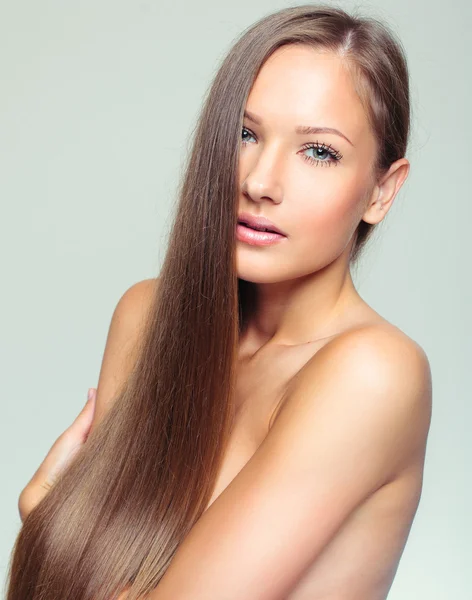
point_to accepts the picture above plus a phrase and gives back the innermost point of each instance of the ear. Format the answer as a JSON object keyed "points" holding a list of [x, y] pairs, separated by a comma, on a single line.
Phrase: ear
{"points": [[385, 190]]}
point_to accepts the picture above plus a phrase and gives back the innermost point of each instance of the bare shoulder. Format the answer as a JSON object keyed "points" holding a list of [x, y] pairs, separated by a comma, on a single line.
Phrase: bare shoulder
{"points": [[382, 355], [377, 372], [129, 315], [135, 301], [383, 352], [122, 343]]}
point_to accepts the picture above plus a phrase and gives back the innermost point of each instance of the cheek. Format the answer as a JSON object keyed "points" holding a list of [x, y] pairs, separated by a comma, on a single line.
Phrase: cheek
{"points": [[325, 220]]}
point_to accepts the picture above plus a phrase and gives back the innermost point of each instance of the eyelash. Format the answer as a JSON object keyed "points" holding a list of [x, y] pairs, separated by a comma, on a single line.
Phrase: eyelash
{"points": [[334, 154]]}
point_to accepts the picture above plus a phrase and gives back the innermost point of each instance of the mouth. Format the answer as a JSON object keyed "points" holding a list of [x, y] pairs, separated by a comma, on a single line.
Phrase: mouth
{"points": [[259, 228], [258, 223], [257, 237]]}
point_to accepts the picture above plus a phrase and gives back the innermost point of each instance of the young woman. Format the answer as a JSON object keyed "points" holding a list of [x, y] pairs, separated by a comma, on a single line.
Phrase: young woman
{"points": [[260, 430]]}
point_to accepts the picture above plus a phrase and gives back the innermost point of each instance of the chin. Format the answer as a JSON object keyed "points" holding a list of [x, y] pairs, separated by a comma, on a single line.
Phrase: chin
{"points": [[257, 274]]}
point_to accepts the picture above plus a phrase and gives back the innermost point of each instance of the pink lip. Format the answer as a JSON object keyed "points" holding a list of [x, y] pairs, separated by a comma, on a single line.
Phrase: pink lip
{"points": [[257, 238], [258, 222]]}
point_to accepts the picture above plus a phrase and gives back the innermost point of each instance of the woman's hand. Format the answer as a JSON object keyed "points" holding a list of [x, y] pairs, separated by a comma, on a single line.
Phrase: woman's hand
{"points": [[59, 456]]}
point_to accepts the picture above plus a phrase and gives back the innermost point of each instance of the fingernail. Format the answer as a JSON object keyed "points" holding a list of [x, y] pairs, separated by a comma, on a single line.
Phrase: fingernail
{"points": [[90, 394]]}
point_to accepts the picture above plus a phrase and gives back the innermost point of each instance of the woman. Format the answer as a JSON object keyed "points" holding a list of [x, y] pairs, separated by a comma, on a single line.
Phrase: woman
{"points": [[268, 440]]}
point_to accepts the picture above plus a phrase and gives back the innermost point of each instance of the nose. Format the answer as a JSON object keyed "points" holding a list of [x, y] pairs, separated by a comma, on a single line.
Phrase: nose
{"points": [[262, 181]]}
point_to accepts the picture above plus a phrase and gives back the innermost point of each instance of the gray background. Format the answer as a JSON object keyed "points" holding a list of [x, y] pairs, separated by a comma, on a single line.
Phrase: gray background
{"points": [[97, 101]]}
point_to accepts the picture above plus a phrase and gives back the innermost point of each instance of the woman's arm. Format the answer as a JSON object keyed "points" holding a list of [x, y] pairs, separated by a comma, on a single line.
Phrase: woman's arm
{"points": [[118, 359], [358, 416]]}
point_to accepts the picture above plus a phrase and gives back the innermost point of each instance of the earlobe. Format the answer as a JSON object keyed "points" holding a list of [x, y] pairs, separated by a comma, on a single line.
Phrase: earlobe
{"points": [[385, 191], [375, 211]]}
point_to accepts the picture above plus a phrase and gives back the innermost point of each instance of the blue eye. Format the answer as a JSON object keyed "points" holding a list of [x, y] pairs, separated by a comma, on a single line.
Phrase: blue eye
{"points": [[325, 155], [331, 155], [244, 129]]}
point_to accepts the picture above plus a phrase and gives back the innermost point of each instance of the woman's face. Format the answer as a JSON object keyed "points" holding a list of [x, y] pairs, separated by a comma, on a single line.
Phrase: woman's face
{"points": [[316, 195]]}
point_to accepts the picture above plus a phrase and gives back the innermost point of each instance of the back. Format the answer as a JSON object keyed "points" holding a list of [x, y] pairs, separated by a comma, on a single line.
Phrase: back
{"points": [[121, 345]]}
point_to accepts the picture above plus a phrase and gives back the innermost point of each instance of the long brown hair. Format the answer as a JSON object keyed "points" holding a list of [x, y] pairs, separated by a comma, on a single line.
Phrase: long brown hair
{"points": [[118, 513]]}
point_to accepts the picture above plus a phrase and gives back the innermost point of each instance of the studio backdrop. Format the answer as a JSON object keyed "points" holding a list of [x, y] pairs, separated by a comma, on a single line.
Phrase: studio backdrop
{"points": [[98, 100]]}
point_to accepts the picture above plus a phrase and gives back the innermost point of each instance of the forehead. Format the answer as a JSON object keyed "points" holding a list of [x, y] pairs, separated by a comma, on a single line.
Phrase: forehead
{"points": [[299, 85]]}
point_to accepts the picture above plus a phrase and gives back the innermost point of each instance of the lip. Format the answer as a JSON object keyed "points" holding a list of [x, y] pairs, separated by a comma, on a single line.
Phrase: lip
{"points": [[255, 221], [257, 238]]}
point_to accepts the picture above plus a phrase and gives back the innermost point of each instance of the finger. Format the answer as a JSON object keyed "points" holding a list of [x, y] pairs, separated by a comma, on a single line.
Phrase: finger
{"points": [[65, 447], [59, 456], [83, 422], [70, 441]]}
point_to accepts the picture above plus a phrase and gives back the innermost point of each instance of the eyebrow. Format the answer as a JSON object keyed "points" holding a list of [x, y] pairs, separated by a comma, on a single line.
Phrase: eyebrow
{"points": [[301, 129]]}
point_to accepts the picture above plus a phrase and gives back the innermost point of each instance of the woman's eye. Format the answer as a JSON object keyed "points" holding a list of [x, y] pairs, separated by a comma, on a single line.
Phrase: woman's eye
{"points": [[248, 132], [320, 153], [323, 155]]}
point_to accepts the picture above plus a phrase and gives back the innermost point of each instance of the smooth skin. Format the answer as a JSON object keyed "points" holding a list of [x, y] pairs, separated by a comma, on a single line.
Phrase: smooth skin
{"points": [[358, 417], [336, 441]]}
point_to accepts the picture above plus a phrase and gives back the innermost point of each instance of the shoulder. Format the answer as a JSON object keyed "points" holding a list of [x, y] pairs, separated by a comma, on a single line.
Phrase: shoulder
{"points": [[122, 344], [376, 373], [380, 354], [129, 319], [135, 301]]}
